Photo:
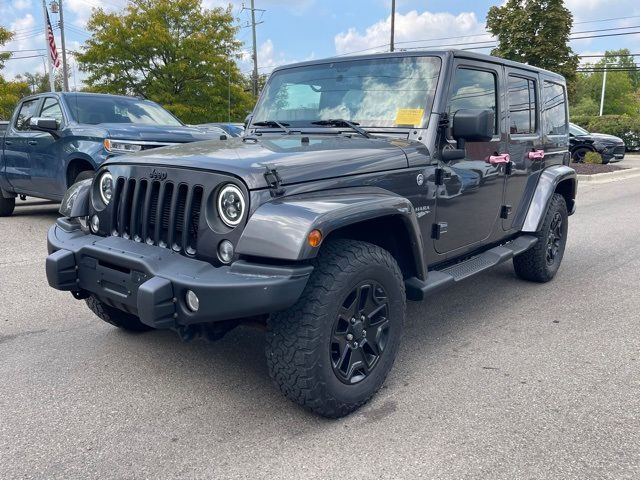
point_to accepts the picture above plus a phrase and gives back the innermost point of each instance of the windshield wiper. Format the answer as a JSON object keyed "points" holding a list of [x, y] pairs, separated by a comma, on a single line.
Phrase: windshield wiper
{"points": [[341, 122], [274, 124]]}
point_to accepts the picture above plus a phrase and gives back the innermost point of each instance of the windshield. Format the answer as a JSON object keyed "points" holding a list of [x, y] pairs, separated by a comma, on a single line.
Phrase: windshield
{"points": [[380, 92], [576, 130], [94, 109]]}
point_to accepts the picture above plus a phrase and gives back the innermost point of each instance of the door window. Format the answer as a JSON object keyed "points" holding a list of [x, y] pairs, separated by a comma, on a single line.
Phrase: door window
{"points": [[27, 111], [522, 105], [51, 109], [475, 89], [554, 110]]}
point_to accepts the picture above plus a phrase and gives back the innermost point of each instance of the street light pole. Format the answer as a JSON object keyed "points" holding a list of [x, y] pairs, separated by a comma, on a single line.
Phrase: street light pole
{"points": [[604, 86], [393, 24], [255, 51]]}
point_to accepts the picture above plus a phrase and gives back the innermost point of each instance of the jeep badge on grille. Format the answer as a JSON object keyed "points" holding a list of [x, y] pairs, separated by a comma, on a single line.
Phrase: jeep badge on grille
{"points": [[158, 175]]}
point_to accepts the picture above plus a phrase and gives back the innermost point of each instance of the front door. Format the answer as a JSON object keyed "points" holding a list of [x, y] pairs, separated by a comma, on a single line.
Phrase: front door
{"points": [[525, 143], [47, 167], [469, 201]]}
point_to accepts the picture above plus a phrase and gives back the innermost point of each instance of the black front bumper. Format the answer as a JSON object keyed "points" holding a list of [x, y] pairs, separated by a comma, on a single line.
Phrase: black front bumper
{"points": [[152, 282]]}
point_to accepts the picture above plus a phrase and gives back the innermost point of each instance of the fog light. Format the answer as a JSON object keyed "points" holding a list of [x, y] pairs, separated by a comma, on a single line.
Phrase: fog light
{"points": [[225, 251], [193, 302], [95, 224]]}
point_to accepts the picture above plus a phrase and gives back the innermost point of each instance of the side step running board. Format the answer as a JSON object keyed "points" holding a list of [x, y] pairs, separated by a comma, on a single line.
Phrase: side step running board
{"points": [[438, 279]]}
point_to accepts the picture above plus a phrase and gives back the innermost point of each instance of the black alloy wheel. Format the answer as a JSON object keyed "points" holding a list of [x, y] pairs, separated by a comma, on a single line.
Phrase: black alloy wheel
{"points": [[554, 239], [360, 333]]}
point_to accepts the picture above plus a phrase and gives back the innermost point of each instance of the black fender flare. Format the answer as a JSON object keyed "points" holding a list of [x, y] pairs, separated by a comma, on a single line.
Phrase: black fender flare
{"points": [[279, 228], [76, 200], [550, 180]]}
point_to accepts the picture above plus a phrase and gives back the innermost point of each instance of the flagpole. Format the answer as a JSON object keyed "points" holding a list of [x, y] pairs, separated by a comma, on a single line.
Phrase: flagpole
{"points": [[52, 84]]}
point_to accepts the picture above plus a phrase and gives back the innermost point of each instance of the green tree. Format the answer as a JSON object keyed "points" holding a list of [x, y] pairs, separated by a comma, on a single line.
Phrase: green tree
{"points": [[535, 32], [174, 52], [10, 93], [5, 36], [39, 82]]}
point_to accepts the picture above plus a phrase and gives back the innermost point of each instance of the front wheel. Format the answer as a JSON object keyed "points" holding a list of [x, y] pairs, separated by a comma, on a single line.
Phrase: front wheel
{"points": [[541, 262], [333, 349]]}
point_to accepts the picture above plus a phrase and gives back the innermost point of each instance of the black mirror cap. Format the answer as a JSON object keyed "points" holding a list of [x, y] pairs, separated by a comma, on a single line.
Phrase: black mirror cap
{"points": [[44, 123], [473, 125]]}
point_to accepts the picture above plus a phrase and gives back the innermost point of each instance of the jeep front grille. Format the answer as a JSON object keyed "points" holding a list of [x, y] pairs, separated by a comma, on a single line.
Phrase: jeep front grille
{"points": [[157, 213]]}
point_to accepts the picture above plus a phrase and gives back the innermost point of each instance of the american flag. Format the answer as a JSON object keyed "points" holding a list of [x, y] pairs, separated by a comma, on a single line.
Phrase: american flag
{"points": [[53, 51]]}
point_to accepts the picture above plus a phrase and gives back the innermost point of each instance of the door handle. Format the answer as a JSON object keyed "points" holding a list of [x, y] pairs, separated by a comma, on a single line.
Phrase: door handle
{"points": [[536, 154], [501, 159], [6, 142], [32, 142]]}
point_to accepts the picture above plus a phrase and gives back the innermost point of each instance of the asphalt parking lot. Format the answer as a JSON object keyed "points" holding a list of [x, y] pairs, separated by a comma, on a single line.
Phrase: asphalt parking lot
{"points": [[496, 378]]}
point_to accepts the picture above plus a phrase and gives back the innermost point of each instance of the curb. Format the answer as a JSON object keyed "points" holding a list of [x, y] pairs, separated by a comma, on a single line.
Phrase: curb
{"points": [[609, 176]]}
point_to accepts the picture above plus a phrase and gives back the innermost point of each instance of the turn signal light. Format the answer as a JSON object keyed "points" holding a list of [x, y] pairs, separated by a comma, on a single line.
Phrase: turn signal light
{"points": [[314, 238]]}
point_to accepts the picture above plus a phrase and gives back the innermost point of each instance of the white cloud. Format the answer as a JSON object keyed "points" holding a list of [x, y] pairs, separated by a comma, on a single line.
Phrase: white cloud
{"points": [[410, 27], [21, 4]]}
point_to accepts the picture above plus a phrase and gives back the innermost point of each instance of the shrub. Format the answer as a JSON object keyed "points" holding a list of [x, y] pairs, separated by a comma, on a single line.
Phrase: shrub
{"points": [[593, 157]]}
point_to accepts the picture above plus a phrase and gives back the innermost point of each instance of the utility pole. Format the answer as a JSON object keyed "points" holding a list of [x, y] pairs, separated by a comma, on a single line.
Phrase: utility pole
{"points": [[393, 24], [255, 50], [65, 71], [52, 84], [254, 75]]}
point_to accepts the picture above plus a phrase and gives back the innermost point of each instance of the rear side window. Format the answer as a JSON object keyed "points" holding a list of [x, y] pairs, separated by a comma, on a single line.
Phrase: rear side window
{"points": [[522, 105], [554, 110], [475, 89], [27, 111]]}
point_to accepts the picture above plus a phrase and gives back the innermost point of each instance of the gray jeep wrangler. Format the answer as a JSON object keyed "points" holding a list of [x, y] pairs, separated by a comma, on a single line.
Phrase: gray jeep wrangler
{"points": [[361, 182]]}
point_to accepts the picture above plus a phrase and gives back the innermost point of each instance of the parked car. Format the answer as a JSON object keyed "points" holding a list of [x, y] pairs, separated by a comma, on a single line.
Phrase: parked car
{"points": [[57, 139], [581, 141], [231, 129], [341, 202]]}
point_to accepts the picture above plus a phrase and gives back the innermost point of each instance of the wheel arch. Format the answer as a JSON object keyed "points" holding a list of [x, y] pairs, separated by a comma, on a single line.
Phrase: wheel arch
{"points": [[75, 166], [279, 228], [555, 179]]}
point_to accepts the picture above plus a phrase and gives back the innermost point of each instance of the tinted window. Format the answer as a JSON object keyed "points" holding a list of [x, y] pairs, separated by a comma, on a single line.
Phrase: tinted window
{"points": [[522, 105], [51, 109], [474, 89], [576, 130], [554, 111], [94, 109], [27, 111]]}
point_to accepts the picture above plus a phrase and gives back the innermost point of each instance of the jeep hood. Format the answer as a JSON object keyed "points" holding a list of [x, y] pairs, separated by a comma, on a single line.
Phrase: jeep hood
{"points": [[321, 157], [157, 133]]}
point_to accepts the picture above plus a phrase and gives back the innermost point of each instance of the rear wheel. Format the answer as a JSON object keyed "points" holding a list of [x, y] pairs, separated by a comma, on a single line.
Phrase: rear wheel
{"points": [[6, 206], [540, 263], [333, 349], [116, 317]]}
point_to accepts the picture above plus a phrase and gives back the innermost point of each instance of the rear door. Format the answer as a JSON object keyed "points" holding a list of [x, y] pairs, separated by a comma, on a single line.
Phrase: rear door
{"points": [[525, 143], [17, 146], [468, 204]]}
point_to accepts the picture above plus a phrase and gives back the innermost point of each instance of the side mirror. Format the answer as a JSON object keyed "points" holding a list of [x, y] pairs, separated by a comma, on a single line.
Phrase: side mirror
{"points": [[473, 125], [247, 120], [44, 124]]}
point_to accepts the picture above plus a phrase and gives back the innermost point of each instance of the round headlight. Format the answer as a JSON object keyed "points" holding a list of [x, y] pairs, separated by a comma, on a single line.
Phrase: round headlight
{"points": [[105, 186], [231, 205]]}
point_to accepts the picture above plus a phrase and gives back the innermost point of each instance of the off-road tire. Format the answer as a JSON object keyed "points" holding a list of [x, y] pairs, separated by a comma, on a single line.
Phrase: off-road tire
{"points": [[6, 206], [299, 339], [116, 317], [533, 265]]}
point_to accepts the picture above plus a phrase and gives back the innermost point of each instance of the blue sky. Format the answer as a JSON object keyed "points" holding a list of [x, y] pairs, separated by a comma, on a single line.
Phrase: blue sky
{"points": [[295, 30]]}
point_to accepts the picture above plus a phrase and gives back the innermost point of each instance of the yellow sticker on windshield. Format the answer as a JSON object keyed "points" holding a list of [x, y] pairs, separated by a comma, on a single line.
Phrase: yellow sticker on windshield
{"points": [[409, 116]]}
